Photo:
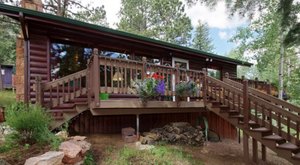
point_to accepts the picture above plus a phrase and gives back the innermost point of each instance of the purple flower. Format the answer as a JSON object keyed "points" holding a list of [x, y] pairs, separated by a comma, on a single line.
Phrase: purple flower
{"points": [[160, 87]]}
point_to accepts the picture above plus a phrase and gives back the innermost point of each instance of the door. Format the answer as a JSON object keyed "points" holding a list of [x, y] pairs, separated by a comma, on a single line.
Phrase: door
{"points": [[184, 64]]}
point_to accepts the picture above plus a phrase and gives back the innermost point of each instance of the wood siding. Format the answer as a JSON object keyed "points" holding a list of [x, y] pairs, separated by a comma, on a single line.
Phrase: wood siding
{"points": [[86, 123], [223, 128]]}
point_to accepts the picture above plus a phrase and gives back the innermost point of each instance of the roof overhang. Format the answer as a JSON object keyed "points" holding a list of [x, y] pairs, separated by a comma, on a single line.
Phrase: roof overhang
{"points": [[30, 17]]}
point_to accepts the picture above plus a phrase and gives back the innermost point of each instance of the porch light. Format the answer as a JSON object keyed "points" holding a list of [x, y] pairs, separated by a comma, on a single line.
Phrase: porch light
{"points": [[118, 76]]}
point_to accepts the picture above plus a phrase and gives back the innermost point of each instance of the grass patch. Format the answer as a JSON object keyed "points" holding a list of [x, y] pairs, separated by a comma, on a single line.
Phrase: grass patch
{"points": [[167, 155], [7, 97]]}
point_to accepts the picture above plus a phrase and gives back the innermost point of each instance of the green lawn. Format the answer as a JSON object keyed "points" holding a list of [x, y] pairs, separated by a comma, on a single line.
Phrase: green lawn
{"points": [[165, 154], [7, 97]]}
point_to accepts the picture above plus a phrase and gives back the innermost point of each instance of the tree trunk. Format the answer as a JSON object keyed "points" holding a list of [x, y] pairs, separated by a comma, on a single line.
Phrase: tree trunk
{"points": [[280, 84]]}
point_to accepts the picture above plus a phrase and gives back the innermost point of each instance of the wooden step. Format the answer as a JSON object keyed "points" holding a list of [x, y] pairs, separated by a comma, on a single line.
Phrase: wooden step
{"points": [[81, 103], [278, 139], [64, 106], [215, 104], [288, 146], [251, 123], [233, 112], [61, 110], [239, 116], [80, 99], [224, 107], [296, 156], [58, 117], [261, 129]]}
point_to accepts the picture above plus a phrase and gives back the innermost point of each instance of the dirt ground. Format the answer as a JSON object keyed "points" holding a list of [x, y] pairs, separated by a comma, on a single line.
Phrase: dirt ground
{"points": [[227, 152]]}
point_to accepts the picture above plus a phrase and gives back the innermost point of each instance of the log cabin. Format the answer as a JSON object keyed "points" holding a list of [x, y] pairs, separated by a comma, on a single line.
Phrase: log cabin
{"points": [[69, 66]]}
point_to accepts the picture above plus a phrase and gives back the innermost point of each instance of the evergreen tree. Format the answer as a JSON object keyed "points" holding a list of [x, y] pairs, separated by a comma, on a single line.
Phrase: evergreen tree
{"points": [[159, 19], [201, 40]]}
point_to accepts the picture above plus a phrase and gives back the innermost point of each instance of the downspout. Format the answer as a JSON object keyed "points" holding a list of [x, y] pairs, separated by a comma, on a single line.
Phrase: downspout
{"points": [[25, 34]]}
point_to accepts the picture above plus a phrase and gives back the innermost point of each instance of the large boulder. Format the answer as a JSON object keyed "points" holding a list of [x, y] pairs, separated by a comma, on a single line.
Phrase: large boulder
{"points": [[71, 151], [49, 158], [85, 146]]}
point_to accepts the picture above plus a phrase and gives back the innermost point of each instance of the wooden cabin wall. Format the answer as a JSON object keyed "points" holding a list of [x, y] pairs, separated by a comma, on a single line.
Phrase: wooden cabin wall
{"points": [[39, 64], [200, 63], [86, 123]]}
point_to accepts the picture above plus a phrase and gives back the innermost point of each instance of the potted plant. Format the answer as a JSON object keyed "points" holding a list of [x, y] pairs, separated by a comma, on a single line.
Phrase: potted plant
{"points": [[152, 87], [185, 89], [103, 96]]}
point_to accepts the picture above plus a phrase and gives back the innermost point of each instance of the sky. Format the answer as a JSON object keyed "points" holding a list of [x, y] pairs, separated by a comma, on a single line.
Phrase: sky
{"points": [[221, 27]]}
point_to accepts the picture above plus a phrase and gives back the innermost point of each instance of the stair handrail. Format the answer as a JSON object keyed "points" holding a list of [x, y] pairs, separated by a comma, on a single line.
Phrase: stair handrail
{"points": [[41, 87], [270, 98], [269, 110]]}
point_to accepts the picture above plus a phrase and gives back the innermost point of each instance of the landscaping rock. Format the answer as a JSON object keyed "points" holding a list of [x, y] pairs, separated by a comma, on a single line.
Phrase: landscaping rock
{"points": [[62, 134], [175, 133], [140, 146], [78, 138], [71, 151], [49, 158], [85, 146]]}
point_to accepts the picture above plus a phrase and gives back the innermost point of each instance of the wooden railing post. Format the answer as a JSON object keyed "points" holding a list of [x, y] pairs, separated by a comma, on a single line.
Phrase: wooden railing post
{"points": [[227, 75], [177, 75], [144, 70], [246, 120], [268, 87], [256, 83], [39, 90], [204, 86], [96, 77], [89, 82], [246, 107]]}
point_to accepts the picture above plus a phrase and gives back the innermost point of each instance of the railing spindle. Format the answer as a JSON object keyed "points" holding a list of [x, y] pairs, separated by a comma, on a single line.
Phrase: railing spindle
{"points": [[279, 124], [105, 75]]}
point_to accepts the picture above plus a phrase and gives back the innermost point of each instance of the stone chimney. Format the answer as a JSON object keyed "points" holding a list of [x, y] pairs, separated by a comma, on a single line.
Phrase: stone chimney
{"points": [[20, 58]]}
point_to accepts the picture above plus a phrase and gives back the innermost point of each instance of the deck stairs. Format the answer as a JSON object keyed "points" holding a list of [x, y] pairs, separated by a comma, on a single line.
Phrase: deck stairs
{"points": [[281, 135]]}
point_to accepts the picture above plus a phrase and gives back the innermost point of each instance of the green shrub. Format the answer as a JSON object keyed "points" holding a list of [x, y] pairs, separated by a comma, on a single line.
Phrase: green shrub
{"points": [[29, 122], [89, 159]]}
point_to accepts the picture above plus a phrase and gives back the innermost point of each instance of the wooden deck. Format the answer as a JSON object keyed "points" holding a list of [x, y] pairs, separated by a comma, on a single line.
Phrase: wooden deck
{"points": [[244, 107]]}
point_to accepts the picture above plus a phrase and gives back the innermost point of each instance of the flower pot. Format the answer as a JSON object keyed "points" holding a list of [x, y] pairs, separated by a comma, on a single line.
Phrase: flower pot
{"points": [[103, 96]]}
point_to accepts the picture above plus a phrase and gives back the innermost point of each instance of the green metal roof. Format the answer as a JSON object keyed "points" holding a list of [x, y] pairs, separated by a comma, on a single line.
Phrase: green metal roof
{"points": [[16, 10]]}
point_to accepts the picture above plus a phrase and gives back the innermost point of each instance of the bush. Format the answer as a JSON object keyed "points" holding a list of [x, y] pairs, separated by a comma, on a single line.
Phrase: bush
{"points": [[29, 122]]}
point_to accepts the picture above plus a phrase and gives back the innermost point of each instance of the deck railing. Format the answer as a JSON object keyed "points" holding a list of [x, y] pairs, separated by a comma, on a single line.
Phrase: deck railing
{"points": [[277, 115], [119, 77], [264, 86]]}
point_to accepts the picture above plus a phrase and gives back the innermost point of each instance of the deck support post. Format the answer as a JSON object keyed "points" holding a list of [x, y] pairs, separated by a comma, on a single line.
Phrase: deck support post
{"points": [[246, 147], [263, 152], [96, 77], [255, 150], [138, 126]]}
